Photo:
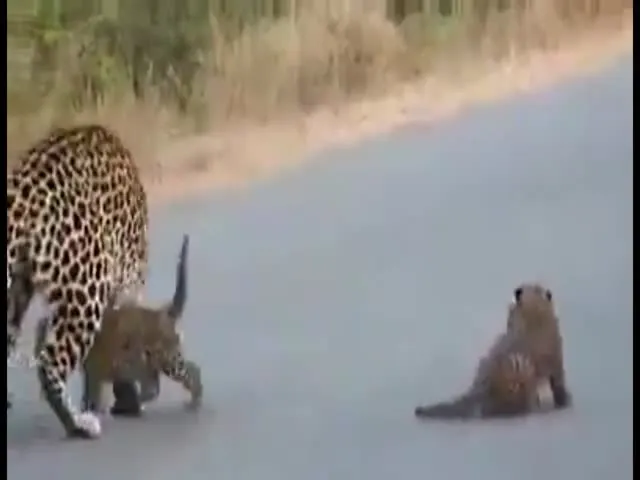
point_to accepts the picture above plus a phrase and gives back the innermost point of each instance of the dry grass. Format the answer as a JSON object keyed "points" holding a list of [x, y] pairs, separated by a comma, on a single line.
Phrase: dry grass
{"points": [[262, 96]]}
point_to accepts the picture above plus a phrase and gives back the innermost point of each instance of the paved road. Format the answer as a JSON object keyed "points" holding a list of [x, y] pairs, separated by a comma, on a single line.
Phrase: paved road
{"points": [[327, 303]]}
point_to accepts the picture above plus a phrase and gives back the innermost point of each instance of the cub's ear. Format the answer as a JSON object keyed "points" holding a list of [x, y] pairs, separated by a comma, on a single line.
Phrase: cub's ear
{"points": [[517, 294], [548, 294]]}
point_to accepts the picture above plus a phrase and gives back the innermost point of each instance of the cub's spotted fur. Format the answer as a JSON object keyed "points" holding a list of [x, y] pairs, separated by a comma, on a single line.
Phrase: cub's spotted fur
{"points": [[515, 377], [506, 384]]}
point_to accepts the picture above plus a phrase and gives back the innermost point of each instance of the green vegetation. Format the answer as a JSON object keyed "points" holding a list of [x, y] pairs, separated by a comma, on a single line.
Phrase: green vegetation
{"points": [[202, 63]]}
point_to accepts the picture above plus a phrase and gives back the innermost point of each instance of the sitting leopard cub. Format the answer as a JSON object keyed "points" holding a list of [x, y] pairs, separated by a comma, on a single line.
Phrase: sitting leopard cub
{"points": [[532, 316], [136, 343], [523, 371], [507, 383]]}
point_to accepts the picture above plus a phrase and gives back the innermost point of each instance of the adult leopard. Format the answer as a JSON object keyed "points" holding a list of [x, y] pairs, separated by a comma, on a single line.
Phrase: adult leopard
{"points": [[77, 206]]}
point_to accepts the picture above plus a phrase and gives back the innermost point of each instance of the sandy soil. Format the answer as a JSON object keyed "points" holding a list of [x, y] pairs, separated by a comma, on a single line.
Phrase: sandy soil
{"points": [[232, 159]]}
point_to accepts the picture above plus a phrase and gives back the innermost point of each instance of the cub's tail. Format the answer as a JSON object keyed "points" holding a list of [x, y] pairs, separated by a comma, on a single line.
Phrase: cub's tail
{"points": [[463, 407], [175, 309]]}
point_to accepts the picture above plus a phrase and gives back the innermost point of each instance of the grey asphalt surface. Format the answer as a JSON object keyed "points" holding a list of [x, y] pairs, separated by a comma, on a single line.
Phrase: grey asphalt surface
{"points": [[326, 304]]}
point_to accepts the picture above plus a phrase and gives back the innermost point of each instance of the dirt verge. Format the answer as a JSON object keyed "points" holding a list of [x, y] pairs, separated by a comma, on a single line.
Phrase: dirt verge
{"points": [[236, 157]]}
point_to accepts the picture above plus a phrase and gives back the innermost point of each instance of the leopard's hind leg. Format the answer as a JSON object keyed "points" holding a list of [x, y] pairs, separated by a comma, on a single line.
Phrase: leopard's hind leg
{"points": [[73, 328], [20, 291]]}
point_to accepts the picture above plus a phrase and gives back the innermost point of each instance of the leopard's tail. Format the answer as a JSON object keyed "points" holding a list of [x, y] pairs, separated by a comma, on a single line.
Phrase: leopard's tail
{"points": [[176, 307], [465, 406]]}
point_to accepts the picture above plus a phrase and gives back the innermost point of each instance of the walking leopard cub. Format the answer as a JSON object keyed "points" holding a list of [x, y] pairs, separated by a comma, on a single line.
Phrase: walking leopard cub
{"points": [[523, 371], [136, 344]]}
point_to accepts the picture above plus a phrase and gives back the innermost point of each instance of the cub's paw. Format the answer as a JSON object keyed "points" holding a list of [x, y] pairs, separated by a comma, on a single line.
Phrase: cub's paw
{"points": [[544, 392], [131, 411], [195, 402]]}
